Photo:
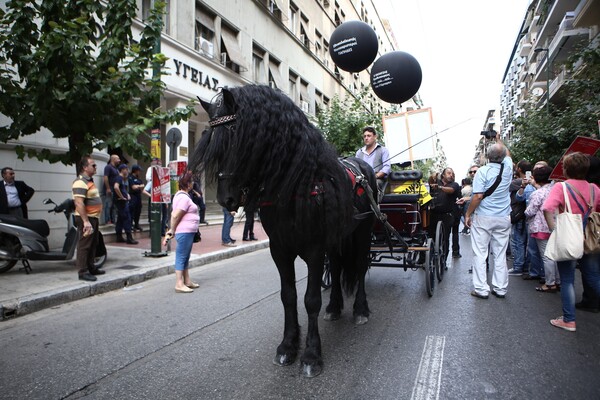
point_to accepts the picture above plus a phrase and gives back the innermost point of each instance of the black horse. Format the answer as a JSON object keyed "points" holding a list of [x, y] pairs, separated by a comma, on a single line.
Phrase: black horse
{"points": [[267, 155]]}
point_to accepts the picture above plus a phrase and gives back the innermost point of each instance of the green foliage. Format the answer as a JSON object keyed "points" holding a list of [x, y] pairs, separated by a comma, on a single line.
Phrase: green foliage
{"points": [[74, 68], [343, 121], [540, 135]]}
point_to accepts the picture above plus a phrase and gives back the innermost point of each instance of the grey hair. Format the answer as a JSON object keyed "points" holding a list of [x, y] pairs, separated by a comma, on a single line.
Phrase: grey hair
{"points": [[496, 153]]}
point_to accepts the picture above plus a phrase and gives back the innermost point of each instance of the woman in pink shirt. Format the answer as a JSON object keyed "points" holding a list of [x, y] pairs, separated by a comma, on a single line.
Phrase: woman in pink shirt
{"points": [[184, 224], [575, 167]]}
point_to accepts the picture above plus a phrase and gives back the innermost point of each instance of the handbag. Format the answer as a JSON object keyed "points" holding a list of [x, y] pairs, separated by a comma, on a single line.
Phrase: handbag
{"points": [[566, 241], [591, 222], [197, 237]]}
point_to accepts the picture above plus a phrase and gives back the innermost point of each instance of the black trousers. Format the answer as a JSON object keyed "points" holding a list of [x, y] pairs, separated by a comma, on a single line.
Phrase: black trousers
{"points": [[447, 222], [86, 247]]}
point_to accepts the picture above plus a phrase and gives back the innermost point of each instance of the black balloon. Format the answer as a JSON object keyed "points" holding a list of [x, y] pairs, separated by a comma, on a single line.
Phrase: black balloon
{"points": [[353, 46], [396, 77]]}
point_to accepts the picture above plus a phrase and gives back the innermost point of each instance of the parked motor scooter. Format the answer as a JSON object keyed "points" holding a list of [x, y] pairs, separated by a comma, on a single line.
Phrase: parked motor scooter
{"points": [[25, 239]]}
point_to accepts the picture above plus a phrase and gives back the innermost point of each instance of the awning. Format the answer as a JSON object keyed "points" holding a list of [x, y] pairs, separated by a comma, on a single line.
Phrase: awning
{"points": [[276, 75], [205, 20], [232, 47], [304, 92]]}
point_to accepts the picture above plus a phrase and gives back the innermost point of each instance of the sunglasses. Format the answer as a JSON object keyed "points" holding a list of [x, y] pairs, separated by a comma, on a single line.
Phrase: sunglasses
{"points": [[93, 165], [472, 172]]}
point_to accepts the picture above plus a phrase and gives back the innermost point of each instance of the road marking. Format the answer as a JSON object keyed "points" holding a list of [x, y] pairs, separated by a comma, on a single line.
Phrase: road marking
{"points": [[429, 376]]}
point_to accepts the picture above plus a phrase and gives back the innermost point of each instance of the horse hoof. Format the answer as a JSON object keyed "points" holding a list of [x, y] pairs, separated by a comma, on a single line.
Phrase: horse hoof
{"points": [[310, 371], [283, 360], [331, 316], [360, 320]]}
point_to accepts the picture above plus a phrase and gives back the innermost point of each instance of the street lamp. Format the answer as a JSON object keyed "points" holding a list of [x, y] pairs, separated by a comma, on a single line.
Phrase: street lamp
{"points": [[547, 51]]}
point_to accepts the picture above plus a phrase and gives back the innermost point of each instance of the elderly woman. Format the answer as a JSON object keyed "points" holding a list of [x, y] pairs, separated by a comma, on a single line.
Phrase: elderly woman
{"points": [[575, 167], [184, 225], [538, 228]]}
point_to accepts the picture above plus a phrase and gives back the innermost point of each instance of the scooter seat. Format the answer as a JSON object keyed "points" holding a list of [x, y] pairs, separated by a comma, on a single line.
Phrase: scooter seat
{"points": [[39, 226]]}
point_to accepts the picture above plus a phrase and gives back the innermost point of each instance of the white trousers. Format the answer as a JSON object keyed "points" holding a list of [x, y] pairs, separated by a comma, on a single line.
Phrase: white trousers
{"points": [[490, 233]]}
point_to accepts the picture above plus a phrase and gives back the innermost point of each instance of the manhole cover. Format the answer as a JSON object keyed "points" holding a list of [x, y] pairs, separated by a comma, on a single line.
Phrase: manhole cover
{"points": [[128, 267]]}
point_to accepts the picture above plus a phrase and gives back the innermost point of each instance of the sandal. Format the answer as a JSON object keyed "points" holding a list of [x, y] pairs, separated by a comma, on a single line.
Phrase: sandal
{"points": [[546, 289]]}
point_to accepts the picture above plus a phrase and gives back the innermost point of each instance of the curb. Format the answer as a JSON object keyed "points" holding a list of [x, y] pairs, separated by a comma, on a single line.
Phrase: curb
{"points": [[80, 290]]}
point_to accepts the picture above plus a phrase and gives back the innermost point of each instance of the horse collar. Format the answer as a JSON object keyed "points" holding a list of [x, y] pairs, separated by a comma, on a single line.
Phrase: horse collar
{"points": [[225, 119]]}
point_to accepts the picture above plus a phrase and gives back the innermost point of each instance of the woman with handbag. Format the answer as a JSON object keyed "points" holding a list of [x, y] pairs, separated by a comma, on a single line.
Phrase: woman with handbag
{"points": [[562, 196], [184, 225]]}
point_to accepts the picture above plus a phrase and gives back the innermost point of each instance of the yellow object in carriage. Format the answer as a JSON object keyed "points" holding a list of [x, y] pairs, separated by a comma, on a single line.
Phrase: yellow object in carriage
{"points": [[403, 184]]}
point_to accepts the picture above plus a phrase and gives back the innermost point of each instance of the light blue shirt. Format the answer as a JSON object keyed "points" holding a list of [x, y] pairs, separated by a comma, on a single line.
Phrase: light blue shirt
{"points": [[498, 203], [12, 195], [529, 189]]}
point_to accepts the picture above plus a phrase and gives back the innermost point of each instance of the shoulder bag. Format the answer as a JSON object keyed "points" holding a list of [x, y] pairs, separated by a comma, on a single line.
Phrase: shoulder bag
{"points": [[591, 222], [566, 241]]}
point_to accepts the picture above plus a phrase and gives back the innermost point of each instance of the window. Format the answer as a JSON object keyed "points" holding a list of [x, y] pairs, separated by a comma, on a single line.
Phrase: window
{"points": [[293, 16], [258, 56], [205, 33], [292, 87], [231, 55], [275, 80]]}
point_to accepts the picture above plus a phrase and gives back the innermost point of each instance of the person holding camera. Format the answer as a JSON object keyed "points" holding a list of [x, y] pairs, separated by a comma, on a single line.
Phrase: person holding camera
{"points": [[519, 233]]}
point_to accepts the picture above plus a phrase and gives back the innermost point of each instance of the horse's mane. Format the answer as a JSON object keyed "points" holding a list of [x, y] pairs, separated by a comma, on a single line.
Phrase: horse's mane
{"points": [[278, 155]]}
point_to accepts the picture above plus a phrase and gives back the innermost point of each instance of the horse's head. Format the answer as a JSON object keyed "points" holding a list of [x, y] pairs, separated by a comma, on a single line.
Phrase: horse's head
{"points": [[217, 150]]}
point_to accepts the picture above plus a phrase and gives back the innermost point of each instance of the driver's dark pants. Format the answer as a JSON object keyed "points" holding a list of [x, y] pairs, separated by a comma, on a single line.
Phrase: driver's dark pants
{"points": [[447, 221], [86, 247]]}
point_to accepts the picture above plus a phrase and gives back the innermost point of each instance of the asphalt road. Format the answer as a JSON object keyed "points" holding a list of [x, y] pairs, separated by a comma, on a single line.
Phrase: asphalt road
{"points": [[219, 342]]}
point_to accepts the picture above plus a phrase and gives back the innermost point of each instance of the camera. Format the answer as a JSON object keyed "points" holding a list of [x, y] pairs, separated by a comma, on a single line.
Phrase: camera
{"points": [[491, 134]]}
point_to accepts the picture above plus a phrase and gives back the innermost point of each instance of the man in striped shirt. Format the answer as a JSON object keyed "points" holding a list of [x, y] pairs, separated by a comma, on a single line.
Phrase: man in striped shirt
{"points": [[88, 208]]}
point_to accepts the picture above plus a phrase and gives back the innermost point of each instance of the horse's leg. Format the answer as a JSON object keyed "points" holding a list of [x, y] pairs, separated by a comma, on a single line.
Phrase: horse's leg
{"points": [[312, 362], [333, 311], [362, 243], [287, 351]]}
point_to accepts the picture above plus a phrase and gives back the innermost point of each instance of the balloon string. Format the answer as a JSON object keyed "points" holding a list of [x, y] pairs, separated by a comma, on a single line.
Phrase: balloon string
{"points": [[427, 138]]}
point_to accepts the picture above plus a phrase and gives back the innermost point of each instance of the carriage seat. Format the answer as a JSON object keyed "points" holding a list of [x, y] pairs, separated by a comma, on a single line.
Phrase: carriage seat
{"points": [[403, 180]]}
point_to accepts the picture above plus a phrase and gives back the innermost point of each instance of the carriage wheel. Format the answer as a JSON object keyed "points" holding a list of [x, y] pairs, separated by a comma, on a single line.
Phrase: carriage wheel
{"points": [[440, 260], [429, 267], [326, 279]]}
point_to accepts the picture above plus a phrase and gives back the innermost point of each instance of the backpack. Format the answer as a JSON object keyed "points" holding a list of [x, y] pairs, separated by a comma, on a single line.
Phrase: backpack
{"points": [[591, 223], [517, 209]]}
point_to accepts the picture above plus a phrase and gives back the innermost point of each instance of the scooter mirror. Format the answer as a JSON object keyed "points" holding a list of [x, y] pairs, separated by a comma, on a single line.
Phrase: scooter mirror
{"points": [[48, 201]]}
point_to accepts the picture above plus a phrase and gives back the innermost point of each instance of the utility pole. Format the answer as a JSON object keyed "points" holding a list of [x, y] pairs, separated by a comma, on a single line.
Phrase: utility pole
{"points": [[155, 208]]}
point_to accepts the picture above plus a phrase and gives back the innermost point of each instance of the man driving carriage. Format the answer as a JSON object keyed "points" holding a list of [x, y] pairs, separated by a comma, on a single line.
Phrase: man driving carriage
{"points": [[377, 156]]}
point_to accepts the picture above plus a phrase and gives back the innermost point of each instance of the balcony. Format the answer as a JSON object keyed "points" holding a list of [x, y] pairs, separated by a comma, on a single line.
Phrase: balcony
{"points": [[567, 38]]}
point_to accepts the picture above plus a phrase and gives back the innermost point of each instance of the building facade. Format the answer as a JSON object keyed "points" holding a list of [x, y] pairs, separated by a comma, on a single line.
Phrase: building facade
{"points": [[212, 44], [551, 31]]}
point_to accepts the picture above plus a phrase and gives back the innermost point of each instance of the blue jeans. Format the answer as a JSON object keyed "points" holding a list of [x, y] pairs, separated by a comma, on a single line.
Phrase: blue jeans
{"points": [[183, 250], [108, 211], [589, 265], [518, 242], [536, 265], [227, 224]]}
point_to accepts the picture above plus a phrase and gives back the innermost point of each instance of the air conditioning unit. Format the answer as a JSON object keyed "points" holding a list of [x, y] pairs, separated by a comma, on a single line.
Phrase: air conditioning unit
{"points": [[304, 106], [272, 85], [205, 46], [223, 58]]}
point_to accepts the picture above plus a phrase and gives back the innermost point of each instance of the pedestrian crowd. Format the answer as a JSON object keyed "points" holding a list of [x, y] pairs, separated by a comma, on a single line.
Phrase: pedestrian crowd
{"points": [[509, 211]]}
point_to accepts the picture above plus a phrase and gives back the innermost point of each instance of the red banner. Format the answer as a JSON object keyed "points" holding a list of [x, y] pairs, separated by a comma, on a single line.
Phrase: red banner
{"points": [[161, 190], [582, 144]]}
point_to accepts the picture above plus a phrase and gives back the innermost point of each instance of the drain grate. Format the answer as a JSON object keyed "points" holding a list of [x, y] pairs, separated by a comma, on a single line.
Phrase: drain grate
{"points": [[128, 267]]}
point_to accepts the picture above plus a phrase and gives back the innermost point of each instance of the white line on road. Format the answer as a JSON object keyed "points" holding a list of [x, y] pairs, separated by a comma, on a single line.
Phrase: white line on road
{"points": [[429, 376]]}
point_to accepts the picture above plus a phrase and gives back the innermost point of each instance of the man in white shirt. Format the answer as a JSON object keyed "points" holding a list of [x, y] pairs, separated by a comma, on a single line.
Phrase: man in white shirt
{"points": [[14, 195]]}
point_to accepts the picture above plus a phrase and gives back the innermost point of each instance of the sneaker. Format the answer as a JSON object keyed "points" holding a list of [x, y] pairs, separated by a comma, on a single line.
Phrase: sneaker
{"points": [[514, 272], [567, 326], [456, 254], [229, 244]]}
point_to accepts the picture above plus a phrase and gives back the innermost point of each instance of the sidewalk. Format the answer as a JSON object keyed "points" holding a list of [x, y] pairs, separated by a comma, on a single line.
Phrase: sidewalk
{"points": [[52, 283]]}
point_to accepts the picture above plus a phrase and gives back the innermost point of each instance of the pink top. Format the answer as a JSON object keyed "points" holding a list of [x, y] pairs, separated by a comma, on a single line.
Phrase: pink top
{"points": [[556, 198], [190, 221]]}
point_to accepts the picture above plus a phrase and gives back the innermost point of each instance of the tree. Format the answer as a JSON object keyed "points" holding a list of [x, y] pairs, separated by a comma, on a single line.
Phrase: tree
{"points": [[73, 67], [342, 122], [540, 135]]}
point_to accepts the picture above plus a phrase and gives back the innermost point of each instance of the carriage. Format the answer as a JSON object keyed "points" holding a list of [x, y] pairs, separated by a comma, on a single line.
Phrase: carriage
{"points": [[401, 235]]}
